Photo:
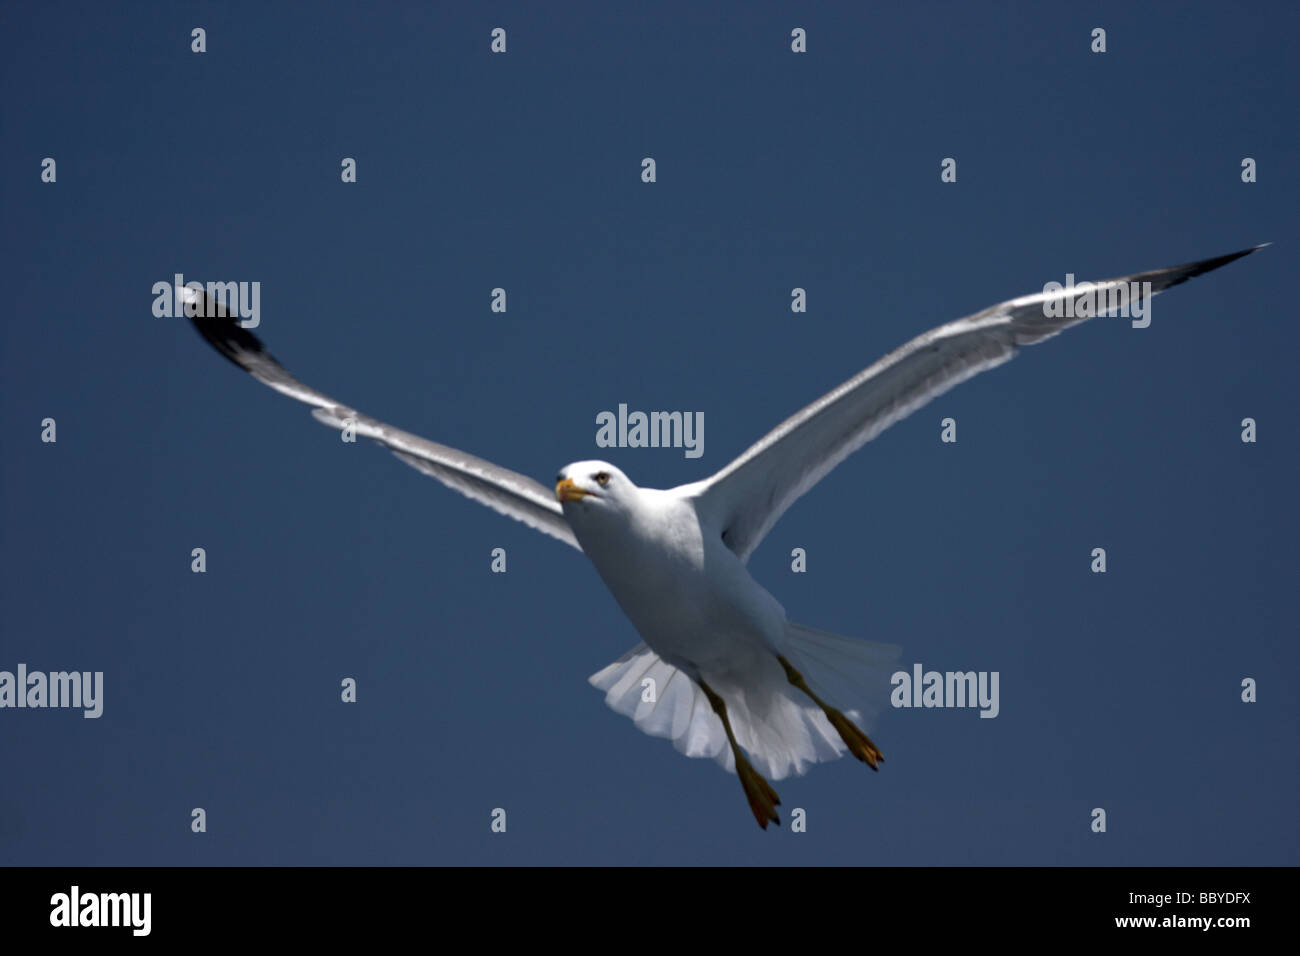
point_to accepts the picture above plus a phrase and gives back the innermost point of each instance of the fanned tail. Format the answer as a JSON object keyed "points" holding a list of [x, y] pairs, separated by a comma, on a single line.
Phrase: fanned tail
{"points": [[781, 729]]}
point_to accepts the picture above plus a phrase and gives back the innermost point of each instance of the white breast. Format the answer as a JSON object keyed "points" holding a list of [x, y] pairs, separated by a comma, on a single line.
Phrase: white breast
{"points": [[692, 600]]}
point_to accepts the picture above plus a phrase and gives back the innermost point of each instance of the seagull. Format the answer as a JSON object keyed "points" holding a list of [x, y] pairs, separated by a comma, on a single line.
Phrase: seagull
{"points": [[721, 671]]}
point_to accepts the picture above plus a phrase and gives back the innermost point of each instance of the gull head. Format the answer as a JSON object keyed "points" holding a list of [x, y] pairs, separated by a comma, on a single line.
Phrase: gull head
{"points": [[593, 487]]}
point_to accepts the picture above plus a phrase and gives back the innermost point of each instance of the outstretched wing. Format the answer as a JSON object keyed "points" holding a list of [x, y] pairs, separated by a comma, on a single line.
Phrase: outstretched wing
{"points": [[508, 492], [746, 498]]}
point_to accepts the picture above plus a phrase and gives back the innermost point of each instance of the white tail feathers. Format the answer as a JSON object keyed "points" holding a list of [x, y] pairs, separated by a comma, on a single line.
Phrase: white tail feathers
{"points": [[779, 726], [663, 702]]}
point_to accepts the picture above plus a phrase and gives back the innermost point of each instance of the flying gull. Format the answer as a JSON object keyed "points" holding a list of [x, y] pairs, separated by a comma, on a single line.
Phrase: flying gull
{"points": [[722, 672]]}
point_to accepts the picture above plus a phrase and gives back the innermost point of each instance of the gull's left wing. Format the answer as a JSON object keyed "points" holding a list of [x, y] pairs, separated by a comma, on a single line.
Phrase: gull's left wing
{"points": [[510, 493], [745, 499]]}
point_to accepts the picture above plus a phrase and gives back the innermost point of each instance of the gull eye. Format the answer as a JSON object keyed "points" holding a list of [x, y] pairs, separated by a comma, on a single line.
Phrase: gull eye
{"points": [[602, 478]]}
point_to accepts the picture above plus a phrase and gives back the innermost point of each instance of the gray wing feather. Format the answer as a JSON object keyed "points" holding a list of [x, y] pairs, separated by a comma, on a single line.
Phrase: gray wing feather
{"points": [[507, 492], [747, 497]]}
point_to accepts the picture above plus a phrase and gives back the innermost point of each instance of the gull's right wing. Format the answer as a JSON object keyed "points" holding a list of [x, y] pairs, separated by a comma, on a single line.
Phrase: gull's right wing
{"points": [[510, 493], [745, 499]]}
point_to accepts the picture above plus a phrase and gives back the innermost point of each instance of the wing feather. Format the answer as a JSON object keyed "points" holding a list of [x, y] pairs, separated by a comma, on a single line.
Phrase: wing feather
{"points": [[507, 492], [747, 497]]}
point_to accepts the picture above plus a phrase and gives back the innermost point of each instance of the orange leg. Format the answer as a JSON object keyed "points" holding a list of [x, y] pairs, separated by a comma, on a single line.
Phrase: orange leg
{"points": [[763, 800], [859, 744]]}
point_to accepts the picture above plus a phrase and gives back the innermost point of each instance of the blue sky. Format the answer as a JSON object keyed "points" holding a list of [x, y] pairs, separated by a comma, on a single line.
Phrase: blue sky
{"points": [[522, 171]]}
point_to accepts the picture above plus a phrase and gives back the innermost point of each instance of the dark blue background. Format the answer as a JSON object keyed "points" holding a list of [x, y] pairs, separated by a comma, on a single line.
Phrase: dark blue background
{"points": [[775, 170]]}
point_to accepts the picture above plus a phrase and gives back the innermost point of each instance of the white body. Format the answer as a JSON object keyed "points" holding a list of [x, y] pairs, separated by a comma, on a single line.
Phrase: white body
{"points": [[704, 617], [692, 600]]}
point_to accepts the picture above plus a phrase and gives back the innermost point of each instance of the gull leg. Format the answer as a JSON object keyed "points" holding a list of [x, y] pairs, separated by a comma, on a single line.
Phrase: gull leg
{"points": [[859, 744], [763, 800]]}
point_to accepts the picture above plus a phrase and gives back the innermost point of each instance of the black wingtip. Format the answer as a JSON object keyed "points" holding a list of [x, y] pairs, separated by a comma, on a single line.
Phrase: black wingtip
{"points": [[1209, 265], [1177, 275], [220, 329]]}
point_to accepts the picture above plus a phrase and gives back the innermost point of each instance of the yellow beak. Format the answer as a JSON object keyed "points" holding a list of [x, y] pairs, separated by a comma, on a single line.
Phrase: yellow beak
{"points": [[567, 490]]}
